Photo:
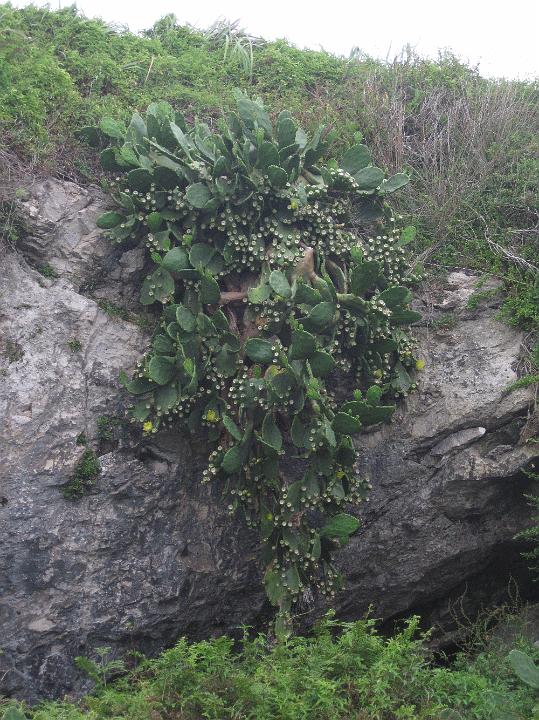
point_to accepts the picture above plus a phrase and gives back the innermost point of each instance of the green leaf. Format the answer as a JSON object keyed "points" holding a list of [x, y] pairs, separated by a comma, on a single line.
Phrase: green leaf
{"points": [[220, 321], [271, 433], [369, 178], [232, 461], [298, 432], [280, 284], [274, 587], [198, 195], [226, 361], [356, 305], [305, 294], [139, 180], [525, 668], [161, 369], [154, 221], [364, 277], [329, 433], [321, 315], [340, 526], [136, 132], [369, 415], [159, 286], [128, 154], [407, 235], [162, 239], [109, 220], [162, 344], [399, 316], [286, 131], [209, 290], [252, 112], [301, 138], [374, 395], [216, 264], [355, 159], [181, 138], [404, 381], [205, 326], [259, 350], [200, 255], [281, 384], [138, 386], [189, 274], [321, 363], [166, 177], [112, 128], [395, 182], [185, 319], [267, 155], [140, 411], [258, 294], [292, 579], [277, 176], [232, 428], [337, 276], [108, 159], [175, 260], [383, 347], [396, 296], [166, 397], [303, 345], [345, 424]]}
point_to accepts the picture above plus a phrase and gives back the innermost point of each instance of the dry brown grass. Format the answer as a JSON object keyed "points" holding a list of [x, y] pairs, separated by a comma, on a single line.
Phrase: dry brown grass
{"points": [[457, 138]]}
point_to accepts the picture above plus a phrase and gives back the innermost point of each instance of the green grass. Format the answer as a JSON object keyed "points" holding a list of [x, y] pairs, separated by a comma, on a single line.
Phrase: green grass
{"points": [[74, 345], [86, 472], [470, 144], [342, 672]]}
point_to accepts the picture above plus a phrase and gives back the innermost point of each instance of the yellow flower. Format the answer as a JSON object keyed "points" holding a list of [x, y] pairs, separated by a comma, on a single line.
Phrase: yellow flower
{"points": [[148, 426], [378, 373], [339, 474], [211, 416], [419, 364]]}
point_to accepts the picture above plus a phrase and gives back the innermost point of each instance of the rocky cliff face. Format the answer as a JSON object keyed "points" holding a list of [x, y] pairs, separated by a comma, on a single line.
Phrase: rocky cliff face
{"points": [[147, 554]]}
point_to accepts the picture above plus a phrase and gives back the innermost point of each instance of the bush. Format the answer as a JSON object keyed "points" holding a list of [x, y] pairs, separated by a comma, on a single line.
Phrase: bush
{"points": [[343, 671]]}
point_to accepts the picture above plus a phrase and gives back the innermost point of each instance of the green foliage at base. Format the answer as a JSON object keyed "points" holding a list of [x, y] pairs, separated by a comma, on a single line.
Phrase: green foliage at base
{"points": [[342, 672]]}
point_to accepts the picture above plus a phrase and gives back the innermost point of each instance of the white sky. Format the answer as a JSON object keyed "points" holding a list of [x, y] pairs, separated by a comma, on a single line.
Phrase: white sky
{"points": [[502, 37]]}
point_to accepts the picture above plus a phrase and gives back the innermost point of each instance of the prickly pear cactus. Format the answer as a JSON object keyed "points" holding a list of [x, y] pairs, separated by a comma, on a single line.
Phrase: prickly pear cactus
{"points": [[273, 271], [525, 668]]}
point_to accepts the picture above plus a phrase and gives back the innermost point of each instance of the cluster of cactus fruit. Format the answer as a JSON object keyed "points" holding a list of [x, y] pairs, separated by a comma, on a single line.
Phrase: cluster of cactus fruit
{"points": [[276, 273]]}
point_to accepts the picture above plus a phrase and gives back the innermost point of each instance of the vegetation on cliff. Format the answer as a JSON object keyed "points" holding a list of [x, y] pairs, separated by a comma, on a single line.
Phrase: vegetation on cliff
{"points": [[470, 144]]}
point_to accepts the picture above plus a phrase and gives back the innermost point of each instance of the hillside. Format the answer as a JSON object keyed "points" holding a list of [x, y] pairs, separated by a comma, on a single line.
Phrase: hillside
{"points": [[470, 144], [268, 346]]}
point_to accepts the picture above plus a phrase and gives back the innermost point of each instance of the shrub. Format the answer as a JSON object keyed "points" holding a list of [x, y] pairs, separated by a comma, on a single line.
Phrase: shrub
{"points": [[343, 671]]}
